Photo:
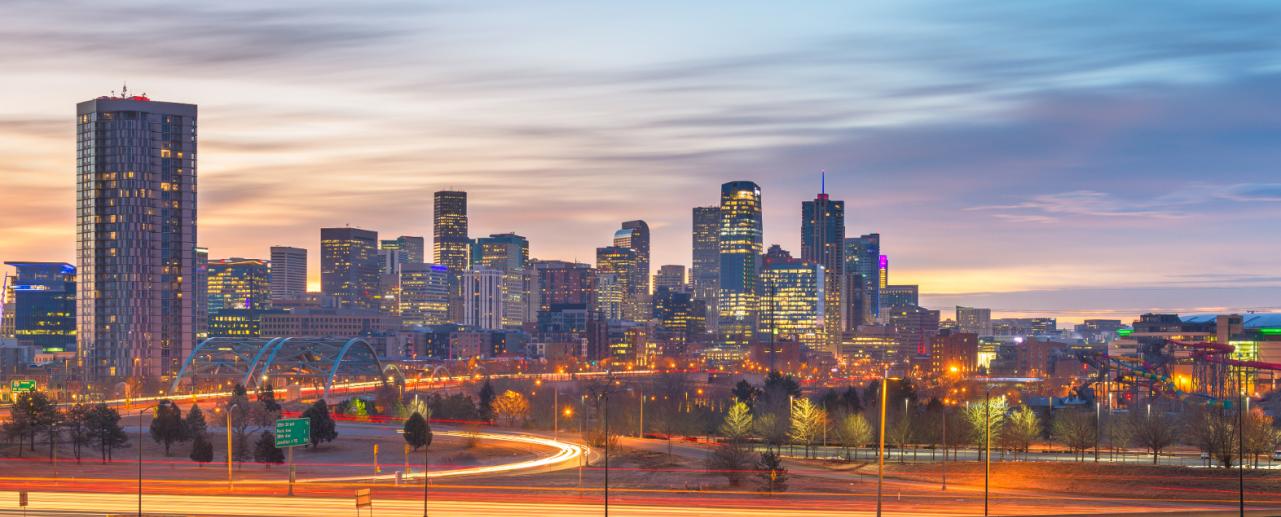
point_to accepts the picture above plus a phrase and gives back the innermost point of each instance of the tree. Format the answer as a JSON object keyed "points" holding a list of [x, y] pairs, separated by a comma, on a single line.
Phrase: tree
{"points": [[745, 392], [417, 431], [32, 414], [738, 422], [512, 407], [853, 430], [1152, 431], [265, 450], [322, 423], [731, 460], [195, 422], [1260, 437], [201, 449], [899, 433], [103, 424], [240, 409], [985, 418], [265, 413], [1076, 429], [807, 423], [773, 475], [1213, 430], [771, 428], [1020, 429], [486, 401], [167, 425], [388, 399], [77, 426]]}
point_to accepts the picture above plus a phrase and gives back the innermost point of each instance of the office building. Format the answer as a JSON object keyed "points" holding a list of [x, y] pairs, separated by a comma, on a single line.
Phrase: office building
{"points": [[40, 306], [350, 271], [793, 303], [883, 271], [954, 354], [410, 248], [740, 242], [424, 294], [288, 274], [634, 235], [200, 286], [915, 327], [451, 247], [670, 276], [705, 270], [483, 298], [501, 251], [135, 235], [238, 283], [823, 243], [558, 282], [974, 320], [610, 295], [897, 296], [623, 263], [862, 267], [316, 322]]}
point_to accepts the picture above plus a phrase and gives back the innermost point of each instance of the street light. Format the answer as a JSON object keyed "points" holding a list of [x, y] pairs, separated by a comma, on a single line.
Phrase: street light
{"points": [[230, 486], [140, 440], [880, 450]]}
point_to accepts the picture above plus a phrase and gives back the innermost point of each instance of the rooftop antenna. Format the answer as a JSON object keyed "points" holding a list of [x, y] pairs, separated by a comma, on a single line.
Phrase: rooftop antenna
{"points": [[822, 182], [124, 90]]}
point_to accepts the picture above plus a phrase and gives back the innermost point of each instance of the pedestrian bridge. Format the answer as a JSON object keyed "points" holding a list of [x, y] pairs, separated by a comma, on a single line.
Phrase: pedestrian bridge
{"points": [[281, 361]]}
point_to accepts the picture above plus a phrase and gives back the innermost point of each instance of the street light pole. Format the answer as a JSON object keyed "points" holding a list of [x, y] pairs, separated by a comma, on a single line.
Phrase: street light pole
{"points": [[1241, 440], [230, 487], [880, 449], [140, 440], [987, 446], [609, 382], [426, 480], [944, 447]]}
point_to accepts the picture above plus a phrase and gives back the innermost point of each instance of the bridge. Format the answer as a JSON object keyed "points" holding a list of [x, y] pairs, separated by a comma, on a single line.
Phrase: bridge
{"points": [[256, 362]]}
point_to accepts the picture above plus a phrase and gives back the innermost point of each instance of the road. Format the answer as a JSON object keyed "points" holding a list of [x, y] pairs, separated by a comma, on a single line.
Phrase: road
{"points": [[72, 503]]}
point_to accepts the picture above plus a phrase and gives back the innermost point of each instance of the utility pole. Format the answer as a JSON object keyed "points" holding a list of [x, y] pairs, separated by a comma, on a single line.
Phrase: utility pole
{"points": [[230, 487], [987, 447], [1241, 440], [945, 447], [609, 383], [556, 414]]}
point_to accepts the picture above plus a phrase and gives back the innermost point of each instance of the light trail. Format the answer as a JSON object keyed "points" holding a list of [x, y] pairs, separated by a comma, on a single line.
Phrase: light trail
{"points": [[565, 453]]}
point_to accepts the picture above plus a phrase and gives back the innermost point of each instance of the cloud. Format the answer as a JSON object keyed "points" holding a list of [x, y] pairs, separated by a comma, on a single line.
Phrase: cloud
{"points": [[1253, 192]]}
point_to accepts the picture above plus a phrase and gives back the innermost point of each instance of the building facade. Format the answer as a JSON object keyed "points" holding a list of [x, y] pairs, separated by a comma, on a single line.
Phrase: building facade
{"points": [[740, 243], [411, 248], [450, 245], [671, 277], [288, 273], [40, 306], [350, 271], [705, 270], [483, 298], [975, 320], [862, 267], [135, 235], [793, 303]]}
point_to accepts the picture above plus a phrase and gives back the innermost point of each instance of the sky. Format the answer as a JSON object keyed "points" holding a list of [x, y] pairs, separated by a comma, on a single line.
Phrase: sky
{"points": [[1077, 159]]}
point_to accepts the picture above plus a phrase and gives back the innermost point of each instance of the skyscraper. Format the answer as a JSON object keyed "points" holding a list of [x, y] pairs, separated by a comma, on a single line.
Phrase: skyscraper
{"points": [[424, 294], [135, 235], [349, 267], [409, 246], [238, 283], [288, 273], [635, 236], [823, 243], [616, 269], [793, 303], [40, 305], [862, 266], [740, 241], [974, 320], [705, 270], [200, 287], [450, 245], [557, 282]]}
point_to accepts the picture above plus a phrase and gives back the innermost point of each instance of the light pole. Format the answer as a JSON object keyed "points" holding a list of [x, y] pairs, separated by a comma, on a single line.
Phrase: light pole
{"points": [[987, 444], [230, 487], [1241, 440], [880, 450], [945, 446], [426, 479], [1098, 426], [140, 440], [609, 381]]}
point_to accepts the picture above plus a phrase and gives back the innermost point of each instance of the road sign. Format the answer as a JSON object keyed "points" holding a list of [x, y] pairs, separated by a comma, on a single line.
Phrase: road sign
{"points": [[22, 385], [293, 432], [363, 498], [22, 498]]}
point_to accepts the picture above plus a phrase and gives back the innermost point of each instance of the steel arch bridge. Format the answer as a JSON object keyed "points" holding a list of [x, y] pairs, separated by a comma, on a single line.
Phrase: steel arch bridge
{"points": [[254, 362]]}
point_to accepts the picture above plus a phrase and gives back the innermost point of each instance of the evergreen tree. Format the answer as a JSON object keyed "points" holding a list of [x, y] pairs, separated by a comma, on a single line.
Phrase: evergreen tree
{"points": [[76, 419], [265, 450], [201, 449], [322, 423], [746, 393], [417, 431], [486, 401], [167, 425], [195, 422]]}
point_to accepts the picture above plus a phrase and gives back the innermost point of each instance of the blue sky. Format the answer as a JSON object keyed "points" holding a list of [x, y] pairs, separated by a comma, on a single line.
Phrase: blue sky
{"points": [[1073, 158]]}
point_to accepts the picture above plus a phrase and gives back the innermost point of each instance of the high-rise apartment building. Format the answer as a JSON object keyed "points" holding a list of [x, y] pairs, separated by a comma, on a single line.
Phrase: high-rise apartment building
{"points": [[200, 286], [350, 272], [40, 305], [705, 270], [288, 274], [740, 240], [450, 245], [483, 298], [634, 235], [135, 235], [974, 320], [557, 282]]}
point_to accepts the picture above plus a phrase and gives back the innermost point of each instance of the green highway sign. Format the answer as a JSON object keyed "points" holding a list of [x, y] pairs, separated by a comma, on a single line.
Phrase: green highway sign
{"points": [[293, 432], [22, 385]]}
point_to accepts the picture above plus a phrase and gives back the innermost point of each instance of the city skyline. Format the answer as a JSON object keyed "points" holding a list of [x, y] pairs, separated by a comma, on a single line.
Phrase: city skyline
{"points": [[988, 178]]}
